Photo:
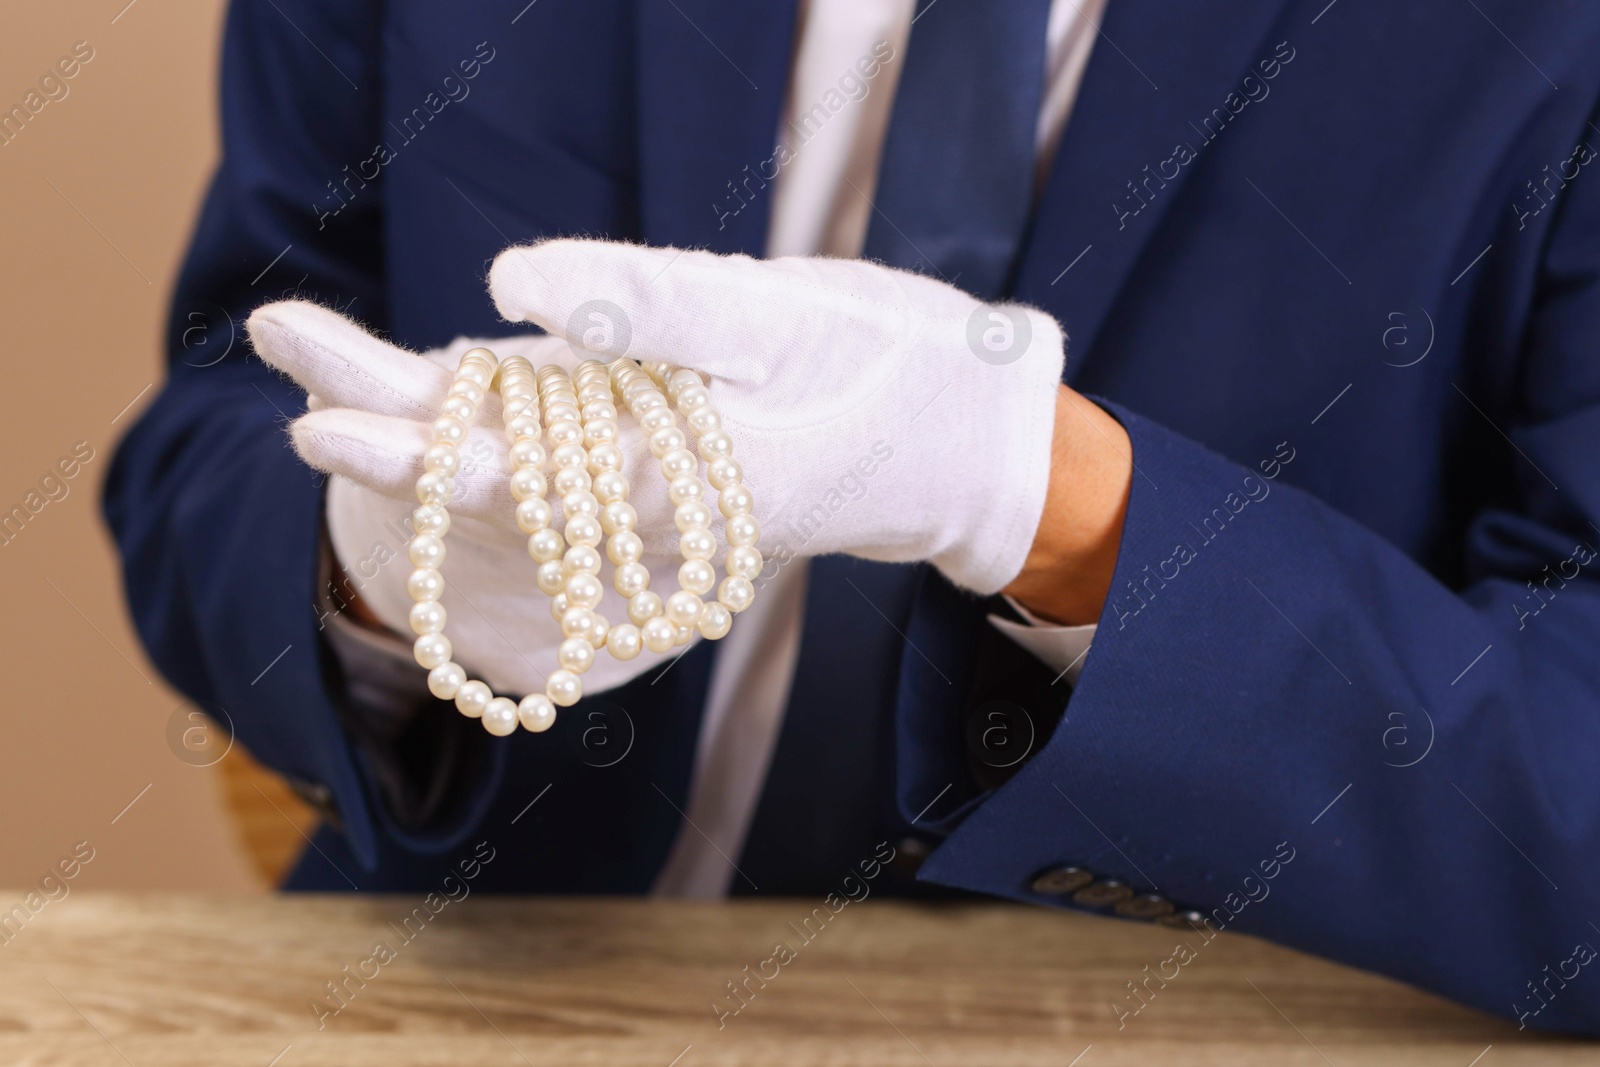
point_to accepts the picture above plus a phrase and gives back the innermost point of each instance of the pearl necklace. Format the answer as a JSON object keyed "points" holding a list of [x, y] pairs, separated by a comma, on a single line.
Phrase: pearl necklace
{"points": [[577, 415]]}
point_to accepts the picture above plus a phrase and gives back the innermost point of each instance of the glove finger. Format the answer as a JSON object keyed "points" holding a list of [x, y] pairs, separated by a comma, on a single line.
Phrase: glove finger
{"points": [[730, 316], [384, 454], [343, 364]]}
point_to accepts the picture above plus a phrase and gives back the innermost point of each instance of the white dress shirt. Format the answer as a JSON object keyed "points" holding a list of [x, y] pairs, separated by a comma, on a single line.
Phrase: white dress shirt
{"points": [[821, 206]]}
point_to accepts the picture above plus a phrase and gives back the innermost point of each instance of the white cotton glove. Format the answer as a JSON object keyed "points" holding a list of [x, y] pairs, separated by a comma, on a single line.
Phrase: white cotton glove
{"points": [[875, 412], [372, 412]]}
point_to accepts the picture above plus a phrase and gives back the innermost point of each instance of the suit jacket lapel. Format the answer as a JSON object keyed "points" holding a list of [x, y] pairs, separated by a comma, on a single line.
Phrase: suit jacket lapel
{"points": [[712, 79], [1149, 109]]}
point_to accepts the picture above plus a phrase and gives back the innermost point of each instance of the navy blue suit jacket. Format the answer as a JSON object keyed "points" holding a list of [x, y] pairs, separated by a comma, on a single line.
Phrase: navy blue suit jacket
{"points": [[1338, 273]]}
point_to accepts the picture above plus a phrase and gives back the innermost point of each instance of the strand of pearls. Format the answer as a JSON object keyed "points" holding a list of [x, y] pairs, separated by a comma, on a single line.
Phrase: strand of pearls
{"points": [[577, 415]]}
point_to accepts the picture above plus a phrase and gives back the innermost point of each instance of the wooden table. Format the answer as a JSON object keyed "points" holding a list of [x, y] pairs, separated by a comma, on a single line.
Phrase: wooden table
{"points": [[161, 979]]}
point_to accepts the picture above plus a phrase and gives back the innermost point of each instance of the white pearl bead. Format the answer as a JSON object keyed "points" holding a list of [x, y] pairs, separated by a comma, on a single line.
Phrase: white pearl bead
{"points": [[667, 439], [697, 576], [477, 373], [715, 445], [537, 713], [584, 590], [427, 617], [577, 621], [683, 377], [559, 606], [656, 419], [441, 459], [551, 577], [610, 486], [431, 650], [445, 679], [469, 389], [527, 452], [723, 472], [431, 518], [583, 530], [683, 489], [534, 515], [704, 420], [624, 641], [643, 607], [646, 400], [715, 622], [743, 562], [565, 431], [599, 410], [458, 407], [570, 480], [581, 559], [480, 356], [600, 631], [735, 594], [618, 516], [605, 457], [678, 463], [564, 688], [735, 500], [545, 545], [576, 654], [625, 547], [524, 426], [681, 635], [425, 550], [570, 454], [743, 530], [449, 431], [472, 697], [434, 488], [598, 432], [580, 502], [693, 397], [683, 608], [692, 516], [500, 717], [697, 544], [563, 409], [528, 483], [630, 579], [425, 583], [657, 634]]}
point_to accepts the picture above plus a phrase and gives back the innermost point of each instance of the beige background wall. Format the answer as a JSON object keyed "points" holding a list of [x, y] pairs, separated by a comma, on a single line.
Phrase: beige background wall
{"points": [[97, 197]]}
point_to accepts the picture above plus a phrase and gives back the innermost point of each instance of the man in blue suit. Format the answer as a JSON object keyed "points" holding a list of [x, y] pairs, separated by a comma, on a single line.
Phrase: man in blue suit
{"points": [[1331, 271]]}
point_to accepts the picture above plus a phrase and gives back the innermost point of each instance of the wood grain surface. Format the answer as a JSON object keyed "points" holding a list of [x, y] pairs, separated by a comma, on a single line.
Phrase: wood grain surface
{"points": [[109, 978]]}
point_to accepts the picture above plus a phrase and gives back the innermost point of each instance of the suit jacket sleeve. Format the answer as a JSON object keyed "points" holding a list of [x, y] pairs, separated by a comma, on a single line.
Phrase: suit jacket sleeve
{"points": [[1272, 679], [216, 519]]}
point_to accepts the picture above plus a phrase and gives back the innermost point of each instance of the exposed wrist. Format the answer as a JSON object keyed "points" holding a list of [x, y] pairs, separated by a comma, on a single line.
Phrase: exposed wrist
{"points": [[1068, 570]]}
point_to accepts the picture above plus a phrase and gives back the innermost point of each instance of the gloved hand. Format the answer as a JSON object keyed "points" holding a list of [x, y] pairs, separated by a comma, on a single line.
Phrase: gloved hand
{"points": [[372, 411], [878, 413]]}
